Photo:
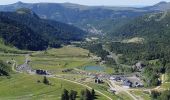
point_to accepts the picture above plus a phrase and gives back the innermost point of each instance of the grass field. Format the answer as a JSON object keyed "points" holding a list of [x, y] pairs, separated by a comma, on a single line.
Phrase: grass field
{"points": [[54, 59], [19, 58], [67, 51], [165, 85], [124, 96], [25, 87], [141, 94]]}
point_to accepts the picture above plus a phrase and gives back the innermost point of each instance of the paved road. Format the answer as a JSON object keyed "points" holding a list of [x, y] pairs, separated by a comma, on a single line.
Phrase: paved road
{"points": [[121, 89]]}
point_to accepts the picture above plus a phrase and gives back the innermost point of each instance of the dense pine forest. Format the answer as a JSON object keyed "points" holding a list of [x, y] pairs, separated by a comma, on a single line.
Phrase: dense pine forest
{"points": [[25, 30]]}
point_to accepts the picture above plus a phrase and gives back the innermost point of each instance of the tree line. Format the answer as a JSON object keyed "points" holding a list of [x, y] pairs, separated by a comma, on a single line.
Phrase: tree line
{"points": [[84, 95]]}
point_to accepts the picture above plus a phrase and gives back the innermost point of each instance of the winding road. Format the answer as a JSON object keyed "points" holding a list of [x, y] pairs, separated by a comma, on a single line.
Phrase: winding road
{"points": [[121, 89]]}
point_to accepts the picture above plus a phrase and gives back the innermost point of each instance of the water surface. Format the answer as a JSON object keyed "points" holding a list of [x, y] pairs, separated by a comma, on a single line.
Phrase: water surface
{"points": [[93, 68]]}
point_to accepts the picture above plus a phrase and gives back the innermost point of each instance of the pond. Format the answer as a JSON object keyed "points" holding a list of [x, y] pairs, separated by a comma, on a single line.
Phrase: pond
{"points": [[94, 68]]}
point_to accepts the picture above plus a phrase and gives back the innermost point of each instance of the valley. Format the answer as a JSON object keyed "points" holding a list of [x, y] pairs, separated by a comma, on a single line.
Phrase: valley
{"points": [[65, 51], [29, 82], [61, 74]]}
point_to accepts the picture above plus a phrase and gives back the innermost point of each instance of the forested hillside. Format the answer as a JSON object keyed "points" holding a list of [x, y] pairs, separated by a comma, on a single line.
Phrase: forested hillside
{"points": [[25, 30], [154, 50], [20, 35], [155, 24], [154, 28]]}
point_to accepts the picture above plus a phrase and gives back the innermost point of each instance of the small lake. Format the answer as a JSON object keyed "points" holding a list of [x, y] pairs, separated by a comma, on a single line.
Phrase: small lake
{"points": [[94, 68]]}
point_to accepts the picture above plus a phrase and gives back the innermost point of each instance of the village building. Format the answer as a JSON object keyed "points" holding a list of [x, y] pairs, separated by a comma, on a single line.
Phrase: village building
{"points": [[127, 83], [139, 65], [98, 80], [42, 72]]}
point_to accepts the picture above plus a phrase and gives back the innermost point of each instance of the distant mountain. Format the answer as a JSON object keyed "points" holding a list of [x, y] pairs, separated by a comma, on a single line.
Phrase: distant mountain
{"points": [[89, 18], [25, 30], [95, 19], [162, 6]]}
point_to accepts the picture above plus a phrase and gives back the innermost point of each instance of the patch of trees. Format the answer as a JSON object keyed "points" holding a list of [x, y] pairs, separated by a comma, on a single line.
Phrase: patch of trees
{"points": [[66, 95], [110, 62], [5, 69], [151, 79], [46, 81], [165, 95], [87, 95], [97, 49], [72, 95]]}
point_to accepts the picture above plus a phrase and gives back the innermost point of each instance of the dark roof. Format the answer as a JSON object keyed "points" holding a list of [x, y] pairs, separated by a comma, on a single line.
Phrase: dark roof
{"points": [[126, 82]]}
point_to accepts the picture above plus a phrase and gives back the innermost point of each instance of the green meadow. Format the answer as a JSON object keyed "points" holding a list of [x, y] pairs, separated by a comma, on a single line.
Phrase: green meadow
{"points": [[26, 87]]}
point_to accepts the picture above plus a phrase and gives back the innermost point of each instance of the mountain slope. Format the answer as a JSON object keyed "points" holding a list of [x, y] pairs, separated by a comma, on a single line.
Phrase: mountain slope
{"points": [[25, 30], [161, 6], [20, 35], [155, 25], [85, 17]]}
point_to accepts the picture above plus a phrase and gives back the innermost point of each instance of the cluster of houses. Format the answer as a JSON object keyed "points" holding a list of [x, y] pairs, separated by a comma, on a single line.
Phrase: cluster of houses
{"points": [[127, 83]]}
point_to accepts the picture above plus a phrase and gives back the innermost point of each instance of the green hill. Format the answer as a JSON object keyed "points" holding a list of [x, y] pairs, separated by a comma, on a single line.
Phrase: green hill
{"points": [[152, 25], [26, 87]]}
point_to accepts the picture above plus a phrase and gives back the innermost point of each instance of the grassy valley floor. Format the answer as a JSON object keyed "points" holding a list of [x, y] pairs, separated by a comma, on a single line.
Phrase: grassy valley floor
{"points": [[22, 86], [26, 87]]}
